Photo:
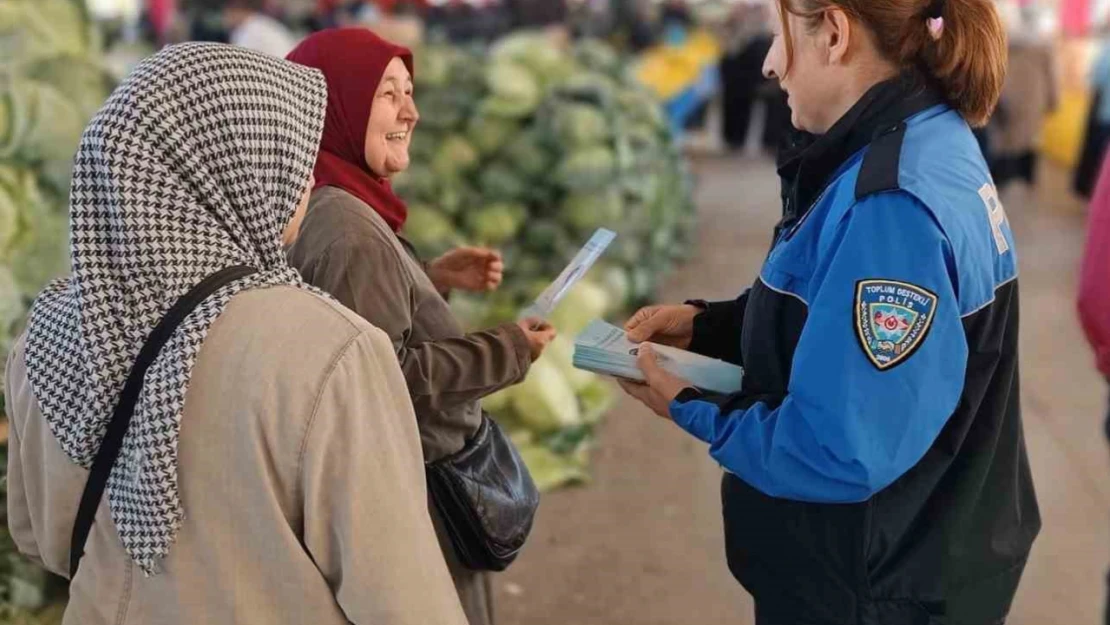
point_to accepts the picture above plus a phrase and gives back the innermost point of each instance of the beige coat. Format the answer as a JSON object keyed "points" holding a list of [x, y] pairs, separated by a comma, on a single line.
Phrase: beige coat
{"points": [[348, 250], [300, 474], [1029, 95]]}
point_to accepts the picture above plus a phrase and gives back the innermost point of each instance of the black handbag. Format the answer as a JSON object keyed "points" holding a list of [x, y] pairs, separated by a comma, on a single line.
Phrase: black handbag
{"points": [[486, 498]]}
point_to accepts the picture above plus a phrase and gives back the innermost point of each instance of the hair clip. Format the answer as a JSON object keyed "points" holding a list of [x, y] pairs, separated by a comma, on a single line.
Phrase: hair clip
{"points": [[936, 27]]}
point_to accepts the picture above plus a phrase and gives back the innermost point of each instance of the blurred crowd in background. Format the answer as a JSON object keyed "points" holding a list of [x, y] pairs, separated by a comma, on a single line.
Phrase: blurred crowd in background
{"points": [[1053, 104]]}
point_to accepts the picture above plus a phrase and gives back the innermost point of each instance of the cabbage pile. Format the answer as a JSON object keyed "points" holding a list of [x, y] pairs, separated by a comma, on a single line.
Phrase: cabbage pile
{"points": [[52, 80], [529, 147]]}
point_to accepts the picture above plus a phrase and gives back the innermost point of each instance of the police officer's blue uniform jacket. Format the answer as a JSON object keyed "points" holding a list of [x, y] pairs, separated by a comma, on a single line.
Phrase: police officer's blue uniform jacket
{"points": [[875, 466]]}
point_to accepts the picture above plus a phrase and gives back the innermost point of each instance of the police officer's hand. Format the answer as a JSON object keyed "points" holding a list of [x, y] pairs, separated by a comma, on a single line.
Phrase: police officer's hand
{"points": [[660, 387], [667, 325]]}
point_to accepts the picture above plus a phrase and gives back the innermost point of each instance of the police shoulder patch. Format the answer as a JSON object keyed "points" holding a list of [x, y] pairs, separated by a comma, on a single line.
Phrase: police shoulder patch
{"points": [[892, 319]]}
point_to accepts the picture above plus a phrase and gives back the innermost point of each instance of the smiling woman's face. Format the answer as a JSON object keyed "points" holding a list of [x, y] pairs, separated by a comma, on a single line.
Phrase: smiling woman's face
{"points": [[392, 119]]}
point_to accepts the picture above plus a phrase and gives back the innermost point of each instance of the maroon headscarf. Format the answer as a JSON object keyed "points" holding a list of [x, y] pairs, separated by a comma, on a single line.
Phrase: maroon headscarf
{"points": [[353, 61]]}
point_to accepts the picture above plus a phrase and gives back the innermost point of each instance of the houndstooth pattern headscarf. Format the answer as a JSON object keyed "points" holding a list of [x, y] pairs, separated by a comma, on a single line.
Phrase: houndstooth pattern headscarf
{"points": [[195, 163]]}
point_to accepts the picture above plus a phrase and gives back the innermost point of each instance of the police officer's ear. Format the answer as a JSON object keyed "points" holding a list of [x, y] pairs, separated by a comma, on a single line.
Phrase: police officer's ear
{"points": [[836, 39]]}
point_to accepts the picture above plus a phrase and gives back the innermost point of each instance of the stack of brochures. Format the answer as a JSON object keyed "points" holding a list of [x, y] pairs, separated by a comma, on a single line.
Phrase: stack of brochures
{"points": [[604, 348]]}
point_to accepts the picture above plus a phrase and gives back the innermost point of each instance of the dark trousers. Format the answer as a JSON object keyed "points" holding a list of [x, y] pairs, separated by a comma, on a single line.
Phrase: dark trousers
{"points": [[741, 81], [1094, 147], [1021, 166], [871, 619]]}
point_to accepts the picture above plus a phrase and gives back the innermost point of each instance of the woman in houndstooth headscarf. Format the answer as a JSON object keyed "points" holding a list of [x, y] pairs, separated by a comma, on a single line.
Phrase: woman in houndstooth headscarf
{"points": [[270, 424]]}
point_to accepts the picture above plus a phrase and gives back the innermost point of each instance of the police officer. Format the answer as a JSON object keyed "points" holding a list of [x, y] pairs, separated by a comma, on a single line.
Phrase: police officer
{"points": [[876, 470]]}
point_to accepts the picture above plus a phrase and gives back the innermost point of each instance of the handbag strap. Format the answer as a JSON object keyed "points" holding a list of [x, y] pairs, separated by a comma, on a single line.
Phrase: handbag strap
{"points": [[110, 446]]}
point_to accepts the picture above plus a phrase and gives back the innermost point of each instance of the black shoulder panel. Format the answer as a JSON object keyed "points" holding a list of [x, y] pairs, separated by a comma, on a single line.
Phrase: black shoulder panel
{"points": [[879, 171]]}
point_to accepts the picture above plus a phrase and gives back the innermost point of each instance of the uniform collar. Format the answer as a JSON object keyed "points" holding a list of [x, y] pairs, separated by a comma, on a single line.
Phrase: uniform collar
{"points": [[810, 162]]}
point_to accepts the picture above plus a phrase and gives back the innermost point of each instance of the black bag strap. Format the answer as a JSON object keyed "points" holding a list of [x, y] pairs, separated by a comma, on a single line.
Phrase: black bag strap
{"points": [[121, 418]]}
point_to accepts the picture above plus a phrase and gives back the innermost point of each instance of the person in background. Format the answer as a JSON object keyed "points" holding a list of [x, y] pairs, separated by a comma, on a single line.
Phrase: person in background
{"points": [[351, 246], [333, 13], [632, 24], [205, 22], [1097, 134], [677, 23], [467, 21], [749, 39], [589, 19], [269, 429], [1030, 94], [1094, 284], [675, 20], [776, 126], [875, 463], [250, 27], [525, 14]]}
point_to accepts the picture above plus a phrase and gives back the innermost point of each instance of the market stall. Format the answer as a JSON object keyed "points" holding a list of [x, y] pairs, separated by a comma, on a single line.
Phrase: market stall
{"points": [[528, 145]]}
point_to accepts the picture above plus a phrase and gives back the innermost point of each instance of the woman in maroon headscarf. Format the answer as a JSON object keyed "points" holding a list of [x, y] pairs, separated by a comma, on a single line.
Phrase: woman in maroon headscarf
{"points": [[349, 246]]}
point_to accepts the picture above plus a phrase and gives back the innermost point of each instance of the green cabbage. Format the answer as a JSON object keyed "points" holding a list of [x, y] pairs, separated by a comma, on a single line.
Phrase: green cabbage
{"points": [[495, 223], [456, 196], [423, 146], [470, 309], [544, 238], [433, 67], [616, 283], [503, 308], [442, 110], [514, 91], [585, 302], [429, 230], [10, 226], [545, 401], [499, 401], [525, 154], [35, 29], [534, 51], [417, 184], [507, 107], [521, 437], [82, 81], [589, 88], [489, 134], [498, 183], [638, 106], [56, 125], [581, 125], [11, 312], [585, 212], [455, 156], [587, 170], [16, 110], [41, 252], [598, 56], [549, 470], [11, 301], [55, 176], [561, 352]]}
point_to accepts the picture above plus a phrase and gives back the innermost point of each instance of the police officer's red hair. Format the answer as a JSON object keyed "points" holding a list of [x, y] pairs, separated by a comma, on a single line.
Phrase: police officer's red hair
{"points": [[967, 62]]}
